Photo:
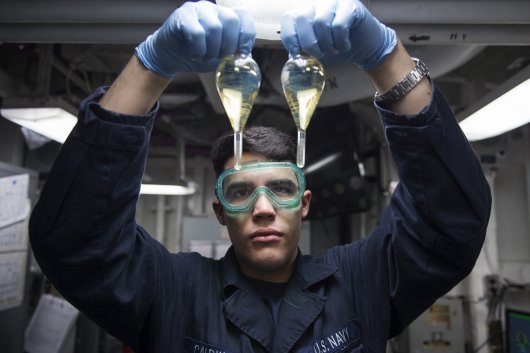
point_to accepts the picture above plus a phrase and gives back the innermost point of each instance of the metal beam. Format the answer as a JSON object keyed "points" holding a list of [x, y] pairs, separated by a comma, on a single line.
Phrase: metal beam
{"points": [[451, 12], [515, 34], [75, 33], [445, 22], [438, 34], [389, 12], [100, 12]]}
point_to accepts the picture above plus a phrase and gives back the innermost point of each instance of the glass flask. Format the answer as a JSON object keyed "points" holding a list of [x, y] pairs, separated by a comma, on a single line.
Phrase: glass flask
{"points": [[303, 81], [238, 79]]}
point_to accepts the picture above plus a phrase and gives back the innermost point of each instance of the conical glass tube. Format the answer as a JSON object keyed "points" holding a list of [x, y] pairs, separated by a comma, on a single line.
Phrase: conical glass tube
{"points": [[303, 81], [238, 79]]}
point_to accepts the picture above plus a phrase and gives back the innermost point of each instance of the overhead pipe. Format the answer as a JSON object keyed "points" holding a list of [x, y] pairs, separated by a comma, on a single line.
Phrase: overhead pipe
{"points": [[452, 12]]}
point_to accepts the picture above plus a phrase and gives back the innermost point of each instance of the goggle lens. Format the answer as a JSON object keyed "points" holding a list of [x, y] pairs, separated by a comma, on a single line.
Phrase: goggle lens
{"points": [[282, 182]]}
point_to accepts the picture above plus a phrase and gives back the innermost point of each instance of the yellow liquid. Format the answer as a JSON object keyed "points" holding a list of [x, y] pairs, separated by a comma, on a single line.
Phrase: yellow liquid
{"points": [[238, 80], [303, 81]]}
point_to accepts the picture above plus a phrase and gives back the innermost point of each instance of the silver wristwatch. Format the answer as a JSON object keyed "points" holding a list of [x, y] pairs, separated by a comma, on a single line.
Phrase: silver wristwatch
{"points": [[402, 87]]}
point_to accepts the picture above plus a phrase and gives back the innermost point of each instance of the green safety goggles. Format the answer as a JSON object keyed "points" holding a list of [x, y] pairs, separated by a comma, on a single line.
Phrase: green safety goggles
{"points": [[282, 182]]}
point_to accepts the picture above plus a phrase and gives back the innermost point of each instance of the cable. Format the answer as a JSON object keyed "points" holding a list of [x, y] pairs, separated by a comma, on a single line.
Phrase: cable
{"points": [[488, 340]]}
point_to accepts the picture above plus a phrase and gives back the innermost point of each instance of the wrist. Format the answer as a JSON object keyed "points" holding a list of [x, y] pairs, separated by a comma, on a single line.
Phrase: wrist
{"points": [[392, 70], [401, 88], [135, 91], [146, 55]]}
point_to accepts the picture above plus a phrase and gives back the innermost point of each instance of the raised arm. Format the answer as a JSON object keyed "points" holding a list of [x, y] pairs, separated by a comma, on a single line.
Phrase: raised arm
{"points": [[344, 31], [432, 232], [193, 39], [83, 230], [135, 91]]}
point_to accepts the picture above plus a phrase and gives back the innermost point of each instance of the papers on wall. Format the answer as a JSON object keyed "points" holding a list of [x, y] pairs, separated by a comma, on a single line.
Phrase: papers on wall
{"points": [[215, 249], [48, 328], [203, 247], [14, 210], [12, 277], [13, 237], [221, 247], [14, 204]]}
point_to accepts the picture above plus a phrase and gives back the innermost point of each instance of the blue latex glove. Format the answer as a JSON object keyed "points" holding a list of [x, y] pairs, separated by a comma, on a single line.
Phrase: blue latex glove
{"points": [[338, 31], [195, 37]]}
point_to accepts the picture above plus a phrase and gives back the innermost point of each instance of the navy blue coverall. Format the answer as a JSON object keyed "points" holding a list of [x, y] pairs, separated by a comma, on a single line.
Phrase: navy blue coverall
{"points": [[351, 299]]}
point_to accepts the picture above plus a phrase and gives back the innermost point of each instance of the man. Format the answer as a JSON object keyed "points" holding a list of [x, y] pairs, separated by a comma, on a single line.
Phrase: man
{"points": [[264, 296]]}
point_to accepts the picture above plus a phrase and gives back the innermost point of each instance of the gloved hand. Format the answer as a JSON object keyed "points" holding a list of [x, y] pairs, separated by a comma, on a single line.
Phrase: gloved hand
{"points": [[338, 31], [195, 37]]}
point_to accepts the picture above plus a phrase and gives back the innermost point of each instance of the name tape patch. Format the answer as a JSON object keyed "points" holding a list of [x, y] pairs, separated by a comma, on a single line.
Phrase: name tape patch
{"points": [[195, 346], [335, 341]]}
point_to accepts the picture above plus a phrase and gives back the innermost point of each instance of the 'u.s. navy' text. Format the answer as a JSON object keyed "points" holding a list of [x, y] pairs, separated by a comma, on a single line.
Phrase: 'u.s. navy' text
{"points": [[332, 341]]}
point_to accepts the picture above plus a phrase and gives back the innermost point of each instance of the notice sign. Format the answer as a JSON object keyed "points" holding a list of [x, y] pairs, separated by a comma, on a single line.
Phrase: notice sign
{"points": [[49, 325], [13, 237], [14, 205], [12, 278]]}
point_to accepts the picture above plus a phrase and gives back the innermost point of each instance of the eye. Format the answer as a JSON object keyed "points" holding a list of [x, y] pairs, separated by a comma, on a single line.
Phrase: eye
{"points": [[283, 188], [238, 192]]}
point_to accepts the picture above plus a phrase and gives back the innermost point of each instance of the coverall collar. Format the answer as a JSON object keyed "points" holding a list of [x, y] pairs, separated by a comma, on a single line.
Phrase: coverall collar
{"points": [[308, 269], [244, 307]]}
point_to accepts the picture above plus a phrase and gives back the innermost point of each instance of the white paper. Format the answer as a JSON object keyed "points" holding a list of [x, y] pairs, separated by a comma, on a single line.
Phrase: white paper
{"points": [[13, 237], [221, 247], [203, 247], [12, 278], [13, 199], [49, 325]]}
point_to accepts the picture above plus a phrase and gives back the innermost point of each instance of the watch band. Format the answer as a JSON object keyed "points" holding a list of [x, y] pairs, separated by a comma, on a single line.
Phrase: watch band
{"points": [[404, 86]]}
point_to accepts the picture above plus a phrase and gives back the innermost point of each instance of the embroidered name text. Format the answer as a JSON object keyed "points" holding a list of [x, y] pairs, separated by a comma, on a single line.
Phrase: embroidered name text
{"points": [[332, 341], [203, 349]]}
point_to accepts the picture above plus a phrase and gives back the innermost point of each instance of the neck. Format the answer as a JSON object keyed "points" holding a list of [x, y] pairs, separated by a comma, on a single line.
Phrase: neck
{"points": [[281, 275]]}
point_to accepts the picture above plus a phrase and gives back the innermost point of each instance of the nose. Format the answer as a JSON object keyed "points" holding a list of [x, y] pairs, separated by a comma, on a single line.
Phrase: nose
{"points": [[263, 208]]}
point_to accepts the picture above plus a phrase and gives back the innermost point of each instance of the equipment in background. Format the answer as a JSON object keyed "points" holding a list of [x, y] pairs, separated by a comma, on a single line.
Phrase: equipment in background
{"points": [[17, 193], [517, 321], [334, 171], [440, 329]]}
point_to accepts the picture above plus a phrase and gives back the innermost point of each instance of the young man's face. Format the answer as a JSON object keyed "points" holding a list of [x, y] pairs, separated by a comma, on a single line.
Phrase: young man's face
{"points": [[266, 237]]}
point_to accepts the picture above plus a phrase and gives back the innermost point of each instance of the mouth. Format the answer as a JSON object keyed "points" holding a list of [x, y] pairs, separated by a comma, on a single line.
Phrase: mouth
{"points": [[264, 236]]}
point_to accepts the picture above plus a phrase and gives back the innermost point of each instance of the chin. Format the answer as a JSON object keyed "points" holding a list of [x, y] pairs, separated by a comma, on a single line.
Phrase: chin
{"points": [[270, 260]]}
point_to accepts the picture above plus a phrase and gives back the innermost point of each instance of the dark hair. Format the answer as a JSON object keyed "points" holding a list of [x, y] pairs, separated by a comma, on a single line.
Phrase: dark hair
{"points": [[264, 141]]}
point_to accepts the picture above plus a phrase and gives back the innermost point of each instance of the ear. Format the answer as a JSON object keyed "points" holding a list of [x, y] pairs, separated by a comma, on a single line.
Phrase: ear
{"points": [[219, 211], [306, 200]]}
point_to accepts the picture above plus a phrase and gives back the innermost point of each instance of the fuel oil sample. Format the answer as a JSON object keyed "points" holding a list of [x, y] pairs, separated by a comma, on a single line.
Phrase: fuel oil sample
{"points": [[238, 79], [303, 81]]}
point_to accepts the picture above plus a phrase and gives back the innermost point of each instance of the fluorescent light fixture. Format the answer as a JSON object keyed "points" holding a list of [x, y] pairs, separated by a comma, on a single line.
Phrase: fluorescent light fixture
{"points": [[505, 111], [166, 189], [321, 163], [54, 123], [57, 123]]}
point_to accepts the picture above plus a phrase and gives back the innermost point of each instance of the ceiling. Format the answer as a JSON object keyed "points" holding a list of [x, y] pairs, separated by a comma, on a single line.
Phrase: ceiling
{"points": [[57, 52]]}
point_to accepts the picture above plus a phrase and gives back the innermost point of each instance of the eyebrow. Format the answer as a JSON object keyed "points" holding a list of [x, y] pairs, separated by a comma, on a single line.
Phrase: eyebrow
{"points": [[238, 184], [274, 182], [285, 181]]}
